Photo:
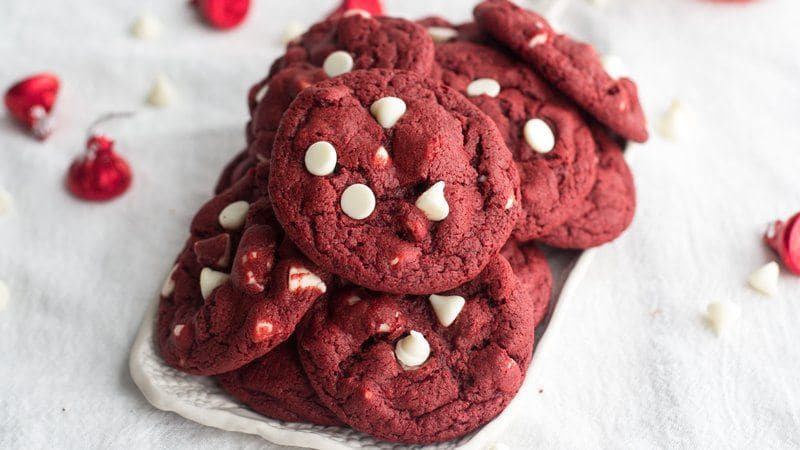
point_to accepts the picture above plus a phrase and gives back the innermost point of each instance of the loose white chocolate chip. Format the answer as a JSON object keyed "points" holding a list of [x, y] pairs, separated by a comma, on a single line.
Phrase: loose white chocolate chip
{"points": [[433, 202], [262, 93], [169, 284], [499, 446], [146, 27], [321, 158], [358, 201], [614, 66], [675, 121], [722, 316], [765, 279], [483, 86], [302, 278], [6, 202], [293, 31], [337, 63], [539, 136], [388, 110], [442, 34], [357, 12], [5, 296], [211, 279], [446, 307], [381, 156], [413, 350], [232, 217], [162, 93], [178, 328], [540, 38]]}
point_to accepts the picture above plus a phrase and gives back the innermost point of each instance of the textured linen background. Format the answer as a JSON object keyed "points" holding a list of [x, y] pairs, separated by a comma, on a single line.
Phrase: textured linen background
{"points": [[632, 366]]}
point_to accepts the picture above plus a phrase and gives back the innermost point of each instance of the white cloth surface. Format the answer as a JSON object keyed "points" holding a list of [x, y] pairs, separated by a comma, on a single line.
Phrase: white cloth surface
{"points": [[633, 366]]}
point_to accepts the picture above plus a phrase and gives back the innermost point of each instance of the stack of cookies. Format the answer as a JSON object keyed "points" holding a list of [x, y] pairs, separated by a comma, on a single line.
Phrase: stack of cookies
{"points": [[371, 259]]}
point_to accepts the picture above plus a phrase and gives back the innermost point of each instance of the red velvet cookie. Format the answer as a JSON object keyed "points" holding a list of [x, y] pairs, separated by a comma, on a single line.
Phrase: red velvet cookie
{"points": [[356, 42], [236, 291], [531, 268], [550, 141], [234, 171], [276, 386], [609, 208], [573, 67], [393, 182], [420, 370]]}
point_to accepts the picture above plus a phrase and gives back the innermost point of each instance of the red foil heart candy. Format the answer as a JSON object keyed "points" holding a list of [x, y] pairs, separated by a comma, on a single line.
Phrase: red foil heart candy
{"points": [[31, 101], [784, 238], [100, 174], [373, 7], [223, 14]]}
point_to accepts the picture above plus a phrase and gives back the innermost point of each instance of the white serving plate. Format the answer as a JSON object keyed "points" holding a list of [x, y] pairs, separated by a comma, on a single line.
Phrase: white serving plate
{"points": [[199, 398]]}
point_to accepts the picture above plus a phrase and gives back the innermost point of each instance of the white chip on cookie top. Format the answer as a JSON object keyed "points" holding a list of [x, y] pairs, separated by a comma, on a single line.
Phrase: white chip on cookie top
{"points": [[381, 156], [539, 135], [388, 110], [540, 38], [262, 330], [433, 203], [210, 279], [447, 307], [302, 278], [169, 284], [483, 86], [357, 12], [293, 31], [353, 299], [176, 331], [337, 63], [510, 202], [613, 66], [232, 217], [442, 34], [262, 92], [358, 201], [320, 158], [413, 350]]}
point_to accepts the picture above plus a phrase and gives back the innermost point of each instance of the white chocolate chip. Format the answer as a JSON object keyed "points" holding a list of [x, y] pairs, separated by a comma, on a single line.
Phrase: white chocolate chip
{"points": [[384, 328], [540, 38], [395, 261], [353, 299], [510, 202], [722, 316], [293, 31], [162, 93], [321, 158], [446, 307], [539, 136], [388, 110], [232, 217], [614, 66], [6, 202], [381, 156], [483, 86], [262, 92], [337, 63], [765, 279], [675, 121], [442, 34], [5, 296], [302, 278], [178, 328], [211, 279], [262, 329], [358, 201], [481, 178], [357, 12], [146, 27], [169, 284], [499, 446], [433, 202], [413, 350]]}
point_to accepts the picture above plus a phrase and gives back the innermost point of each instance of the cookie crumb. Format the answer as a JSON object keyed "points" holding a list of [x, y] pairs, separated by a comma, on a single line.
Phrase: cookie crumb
{"points": [[765, 279], [722, 316]]}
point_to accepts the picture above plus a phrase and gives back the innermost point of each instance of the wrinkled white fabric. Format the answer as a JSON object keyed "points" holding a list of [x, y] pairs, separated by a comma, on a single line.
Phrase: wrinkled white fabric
{"points": [[633, 365]]}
